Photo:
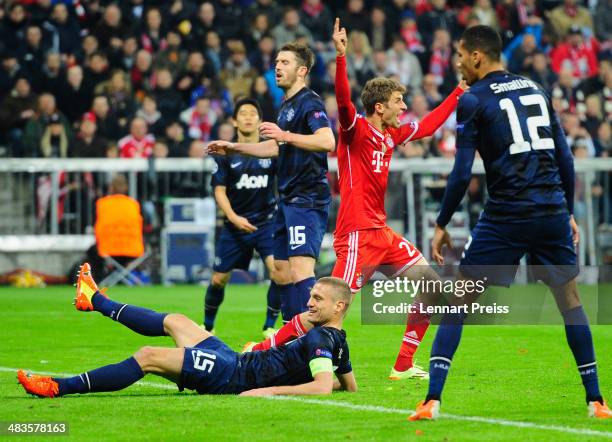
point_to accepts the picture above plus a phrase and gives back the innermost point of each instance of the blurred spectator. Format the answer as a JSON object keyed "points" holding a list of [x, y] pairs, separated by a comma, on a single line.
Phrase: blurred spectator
{"points": [[262, 58], [378, 31], [486, 14], [13, 26], [404, 64], [359, 60], [63, 29], [201, 25], [194, 72], [110, 31], [575, 54], [576, 135], [603, 20], [33, 50], [152, 37], [229, 19], [89, 45], [178, 144], [36, 127], [160, 150], [16, 109], [592, 116], [439, 55], [169, 101], [96, 68], [126, 58], [521, 60], [119, 92], [148, 112], [238, 75], [410, 33], [381, 68], [318, 18], [418, 108], [540, 71], [75, 95], [213, 51], [438, 17], [326, 84], [355, 18], [50, 78], [331, 109], [141, 72], [268, 7], [11, 70], [172, 57], [139, 143], [568, 15], [55, 140], [226, 132], [290, 28], [108, 126], [200, 119], [603, 139], [396, 10], [431, 91], [261, 93], [87, 143]]}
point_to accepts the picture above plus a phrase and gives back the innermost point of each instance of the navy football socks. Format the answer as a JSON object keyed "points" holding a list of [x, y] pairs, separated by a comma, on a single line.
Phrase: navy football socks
{"points": [[444, 346], [299, 297], [141, 320], [285, 293], [213, 299], [274, 305], [108, 378], [580, 341]]}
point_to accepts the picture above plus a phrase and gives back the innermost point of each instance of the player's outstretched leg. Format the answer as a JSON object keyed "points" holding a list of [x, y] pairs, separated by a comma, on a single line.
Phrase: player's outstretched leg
{"points": [[580, 341], [295, 328], [166, 362], [417, 324], [141, 320], [444, 346]]}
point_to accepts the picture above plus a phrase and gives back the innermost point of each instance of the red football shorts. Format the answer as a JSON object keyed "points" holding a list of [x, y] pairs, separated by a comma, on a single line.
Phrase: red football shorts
{"points": [[360, 253]]}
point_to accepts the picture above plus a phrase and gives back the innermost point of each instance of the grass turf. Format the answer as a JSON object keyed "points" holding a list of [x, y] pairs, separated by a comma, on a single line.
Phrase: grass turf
{"points": [[517, 373]]}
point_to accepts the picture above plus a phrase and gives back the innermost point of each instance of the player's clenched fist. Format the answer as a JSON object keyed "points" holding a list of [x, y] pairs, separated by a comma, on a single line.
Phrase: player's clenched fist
{"points": [[339, 38], [219, 147], [273, 132]]}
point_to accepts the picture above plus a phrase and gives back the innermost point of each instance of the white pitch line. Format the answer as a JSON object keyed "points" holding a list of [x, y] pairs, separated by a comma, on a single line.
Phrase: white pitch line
{"points": [[381, 409]]}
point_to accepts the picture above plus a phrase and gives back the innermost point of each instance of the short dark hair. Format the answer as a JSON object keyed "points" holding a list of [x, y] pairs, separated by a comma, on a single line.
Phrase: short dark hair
{"points": [[244, 101], [484, 39], [379, 90], [303, 54]]}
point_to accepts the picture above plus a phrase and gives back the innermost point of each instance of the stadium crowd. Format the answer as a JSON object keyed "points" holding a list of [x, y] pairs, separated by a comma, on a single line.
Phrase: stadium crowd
{"points": [[139, 78]]}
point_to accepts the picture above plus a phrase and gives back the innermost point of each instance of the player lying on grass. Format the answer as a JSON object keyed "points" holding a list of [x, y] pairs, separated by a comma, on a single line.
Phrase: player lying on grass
{"points": [[529, 168], [363, 242], [204, 363]]}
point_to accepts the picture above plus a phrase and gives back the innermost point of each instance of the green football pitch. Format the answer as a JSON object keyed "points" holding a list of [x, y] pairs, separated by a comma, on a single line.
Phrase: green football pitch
{"points": [[515, 383]]}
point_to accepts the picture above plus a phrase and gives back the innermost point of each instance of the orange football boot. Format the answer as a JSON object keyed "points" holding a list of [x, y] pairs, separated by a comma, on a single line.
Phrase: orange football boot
{"points": [[41, 386], [86, 287], [599, 410], [427, 410]]}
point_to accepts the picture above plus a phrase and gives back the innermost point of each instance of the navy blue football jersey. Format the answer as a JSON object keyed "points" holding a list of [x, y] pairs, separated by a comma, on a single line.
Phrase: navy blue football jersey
{"points": [[289, 364], [509, 120], [302, 175], [249, 185]]}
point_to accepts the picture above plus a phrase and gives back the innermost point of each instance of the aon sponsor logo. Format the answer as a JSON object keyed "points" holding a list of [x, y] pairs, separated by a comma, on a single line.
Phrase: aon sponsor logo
{"points": [[252, 182]]}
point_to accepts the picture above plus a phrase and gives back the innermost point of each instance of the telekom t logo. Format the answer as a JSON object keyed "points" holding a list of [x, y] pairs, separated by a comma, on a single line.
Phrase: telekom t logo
{"points": [[377, 156]]}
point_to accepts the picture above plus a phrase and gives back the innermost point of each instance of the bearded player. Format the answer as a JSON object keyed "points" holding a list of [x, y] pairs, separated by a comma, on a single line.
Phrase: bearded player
{"points": [[363, 242]]}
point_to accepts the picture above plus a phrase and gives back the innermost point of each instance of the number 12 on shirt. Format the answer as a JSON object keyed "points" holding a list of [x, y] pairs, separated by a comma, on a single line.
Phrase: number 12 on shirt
{"points": [[520, 145]]}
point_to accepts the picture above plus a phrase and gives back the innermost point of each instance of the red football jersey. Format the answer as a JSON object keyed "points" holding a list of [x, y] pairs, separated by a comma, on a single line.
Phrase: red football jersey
{"points": [[364, 154]]}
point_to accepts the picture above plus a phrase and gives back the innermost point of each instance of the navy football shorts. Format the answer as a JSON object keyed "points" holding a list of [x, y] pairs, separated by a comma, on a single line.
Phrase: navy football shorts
{"points": [[234, 249], [495, 249], [208, 367], [299, 231]]}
